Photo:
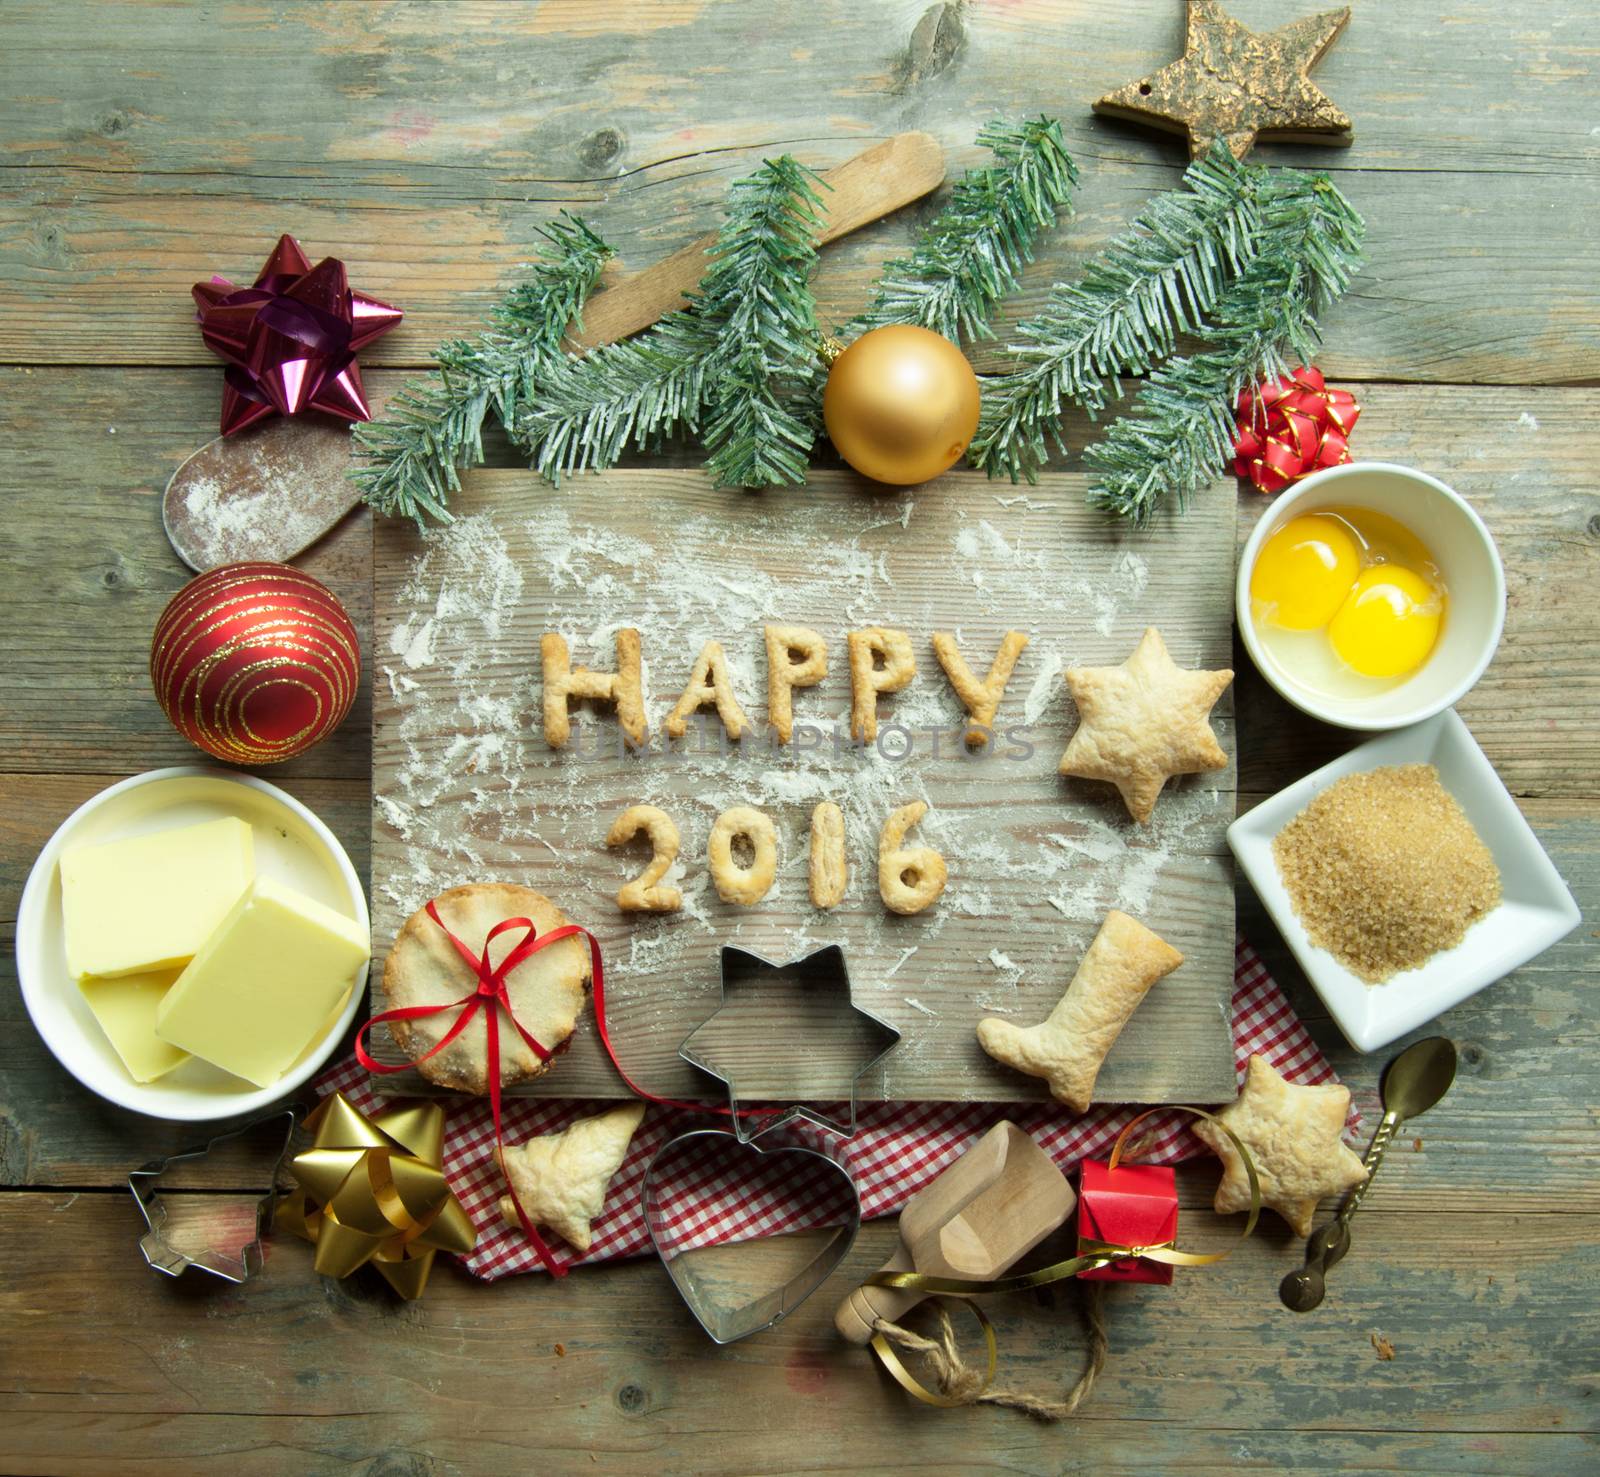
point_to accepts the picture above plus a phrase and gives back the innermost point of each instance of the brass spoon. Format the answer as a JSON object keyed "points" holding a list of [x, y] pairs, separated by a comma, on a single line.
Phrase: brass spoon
{"points": [[1412, 1083]]}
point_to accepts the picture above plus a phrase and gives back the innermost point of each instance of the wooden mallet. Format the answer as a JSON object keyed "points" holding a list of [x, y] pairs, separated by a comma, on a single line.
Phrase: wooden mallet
{"points": [[996, 1203]]}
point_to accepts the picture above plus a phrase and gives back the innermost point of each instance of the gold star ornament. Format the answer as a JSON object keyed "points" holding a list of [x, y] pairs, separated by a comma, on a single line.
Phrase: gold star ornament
{"points": [[1143, 722], [1294, 1134], [1235, 84]]}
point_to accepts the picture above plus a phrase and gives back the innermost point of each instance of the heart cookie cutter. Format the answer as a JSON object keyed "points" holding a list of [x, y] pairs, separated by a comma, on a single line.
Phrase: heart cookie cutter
{"points": [[790, 1034], [209, 1234]]}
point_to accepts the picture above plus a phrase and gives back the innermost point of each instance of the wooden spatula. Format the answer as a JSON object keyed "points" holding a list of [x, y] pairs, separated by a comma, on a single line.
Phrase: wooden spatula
{"points": [[272, 492], [996, 1203]]}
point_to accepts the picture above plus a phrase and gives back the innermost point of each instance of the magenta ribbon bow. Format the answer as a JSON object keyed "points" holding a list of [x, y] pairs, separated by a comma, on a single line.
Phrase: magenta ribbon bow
{"points": [[290, 341]]}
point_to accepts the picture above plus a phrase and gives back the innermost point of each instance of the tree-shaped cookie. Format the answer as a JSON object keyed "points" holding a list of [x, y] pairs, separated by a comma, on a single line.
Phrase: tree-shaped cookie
{"points": [[561, 1178]]}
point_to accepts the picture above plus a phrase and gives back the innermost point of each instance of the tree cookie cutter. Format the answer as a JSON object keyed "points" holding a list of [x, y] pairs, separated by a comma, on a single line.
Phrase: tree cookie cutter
{"points": [[790, 1034], [208, 1231]]}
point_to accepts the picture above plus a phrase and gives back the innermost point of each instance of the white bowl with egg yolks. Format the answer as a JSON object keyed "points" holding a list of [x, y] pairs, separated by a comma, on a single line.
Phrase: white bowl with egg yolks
{"points": [[1468, 564]]}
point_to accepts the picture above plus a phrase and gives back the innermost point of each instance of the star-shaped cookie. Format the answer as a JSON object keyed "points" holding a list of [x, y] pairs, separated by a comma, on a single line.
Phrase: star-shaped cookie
{"points": [[1143, 722], [1232, 83], [561, 1178], [1293, 1135]]}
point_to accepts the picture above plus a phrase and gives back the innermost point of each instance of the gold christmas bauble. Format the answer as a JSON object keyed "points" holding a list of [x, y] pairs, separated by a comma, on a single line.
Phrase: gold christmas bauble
{"points": [[901, 404]]}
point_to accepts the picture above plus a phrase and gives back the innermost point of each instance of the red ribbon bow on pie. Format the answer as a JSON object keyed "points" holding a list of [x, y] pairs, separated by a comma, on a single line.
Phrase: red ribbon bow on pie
{"points": [[1291, 427], [492, 997]]}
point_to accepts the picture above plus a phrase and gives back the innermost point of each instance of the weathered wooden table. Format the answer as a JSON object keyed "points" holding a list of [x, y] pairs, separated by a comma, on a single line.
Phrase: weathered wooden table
{"points": [[149, 145]]}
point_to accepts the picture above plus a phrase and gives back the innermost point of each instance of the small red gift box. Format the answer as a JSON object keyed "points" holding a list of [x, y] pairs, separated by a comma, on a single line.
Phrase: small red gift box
{"points": [[1131, 1205]]}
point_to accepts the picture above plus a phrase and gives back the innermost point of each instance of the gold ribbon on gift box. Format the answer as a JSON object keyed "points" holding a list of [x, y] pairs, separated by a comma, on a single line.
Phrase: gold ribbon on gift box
{"points": [[1092, 1253], [373, 1191]]}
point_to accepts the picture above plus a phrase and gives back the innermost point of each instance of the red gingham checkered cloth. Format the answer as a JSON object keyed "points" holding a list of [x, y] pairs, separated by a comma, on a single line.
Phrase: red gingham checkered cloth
{"points": [[897, 1149]]}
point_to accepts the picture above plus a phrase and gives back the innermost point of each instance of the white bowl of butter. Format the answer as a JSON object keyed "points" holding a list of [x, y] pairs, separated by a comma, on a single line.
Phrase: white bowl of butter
{"points": [[291, 853]]}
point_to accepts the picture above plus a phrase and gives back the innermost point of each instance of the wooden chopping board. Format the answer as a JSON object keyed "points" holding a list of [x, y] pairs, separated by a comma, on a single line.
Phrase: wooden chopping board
{"points": [[465, 788]]}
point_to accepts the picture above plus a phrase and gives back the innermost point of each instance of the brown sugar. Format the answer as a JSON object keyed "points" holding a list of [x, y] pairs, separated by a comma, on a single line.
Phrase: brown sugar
{"points": [[1384, 870]]}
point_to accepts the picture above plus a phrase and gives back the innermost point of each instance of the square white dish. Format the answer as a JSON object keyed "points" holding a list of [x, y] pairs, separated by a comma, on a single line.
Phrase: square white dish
{"points": [[1536, 908], [292, 846]]}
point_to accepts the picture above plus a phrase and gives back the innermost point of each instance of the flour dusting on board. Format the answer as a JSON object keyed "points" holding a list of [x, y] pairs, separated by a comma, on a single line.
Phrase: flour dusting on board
{"points": [[1034, 861]]}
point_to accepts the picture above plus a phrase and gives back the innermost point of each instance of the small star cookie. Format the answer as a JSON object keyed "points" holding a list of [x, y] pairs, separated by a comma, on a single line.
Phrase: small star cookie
{"points": [[1294, 1136], [1143, 722], [561, 1178], [1067, 1050]]}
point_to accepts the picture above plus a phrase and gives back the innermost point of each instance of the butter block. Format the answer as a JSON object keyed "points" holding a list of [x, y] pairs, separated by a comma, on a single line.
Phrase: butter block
{"points": [[264, 984], [150, 902], [126, 1009]]}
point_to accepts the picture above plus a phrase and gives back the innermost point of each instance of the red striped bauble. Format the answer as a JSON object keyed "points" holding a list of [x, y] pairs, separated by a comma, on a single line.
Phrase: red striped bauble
{"points": [[255, 663]]}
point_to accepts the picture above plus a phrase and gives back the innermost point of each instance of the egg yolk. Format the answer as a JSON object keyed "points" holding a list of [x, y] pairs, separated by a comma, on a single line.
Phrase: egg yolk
{"points": [[1389, 623], [1304, 573]]}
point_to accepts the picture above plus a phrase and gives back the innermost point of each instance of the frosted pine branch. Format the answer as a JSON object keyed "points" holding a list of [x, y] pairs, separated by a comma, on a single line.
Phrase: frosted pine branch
{"points": [[1123, 315], [432, 430], [725, 367], [970, 257], [1179, 434]]}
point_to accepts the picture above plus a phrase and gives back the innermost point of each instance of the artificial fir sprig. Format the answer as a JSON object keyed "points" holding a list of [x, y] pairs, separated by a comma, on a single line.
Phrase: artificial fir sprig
{"points": [[432, 430], [969, 258], [757, 301], [636, 389], [1123, 315], [1180, 432], [734, 358], [1243, 257]]}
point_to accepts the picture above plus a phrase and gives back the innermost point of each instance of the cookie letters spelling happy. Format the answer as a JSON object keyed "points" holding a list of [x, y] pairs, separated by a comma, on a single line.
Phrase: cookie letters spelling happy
{"points": [[882, 661], [1140, 723]]}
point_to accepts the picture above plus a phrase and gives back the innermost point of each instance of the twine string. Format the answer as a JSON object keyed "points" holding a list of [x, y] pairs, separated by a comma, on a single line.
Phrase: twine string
{"points": [[960, 1384]]}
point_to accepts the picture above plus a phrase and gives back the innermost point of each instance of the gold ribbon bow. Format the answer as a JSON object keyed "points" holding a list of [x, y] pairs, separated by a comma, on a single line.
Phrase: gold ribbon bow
{"points": [[373, 1190]]}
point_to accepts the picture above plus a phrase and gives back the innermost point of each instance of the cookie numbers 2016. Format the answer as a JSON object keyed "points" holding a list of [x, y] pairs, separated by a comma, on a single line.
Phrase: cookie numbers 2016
{"points": [[830, 872], [745, 883], [646, 894], [910, 878]]}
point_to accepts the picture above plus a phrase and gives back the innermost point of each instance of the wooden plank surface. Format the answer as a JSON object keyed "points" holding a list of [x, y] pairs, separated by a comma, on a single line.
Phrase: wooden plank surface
{"points": [[149, 145], [466, 789], [1489, 1328], [425, 153]]}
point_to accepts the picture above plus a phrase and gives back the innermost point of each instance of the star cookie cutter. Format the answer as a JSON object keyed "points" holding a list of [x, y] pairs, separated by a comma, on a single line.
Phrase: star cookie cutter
{"points": [[772, 1016], [778, 1017], [212, 1234]]}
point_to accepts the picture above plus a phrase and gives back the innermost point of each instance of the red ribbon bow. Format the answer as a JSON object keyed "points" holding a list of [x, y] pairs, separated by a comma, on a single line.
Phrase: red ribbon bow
{"points": [[492, 997], [1290, 427]]}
